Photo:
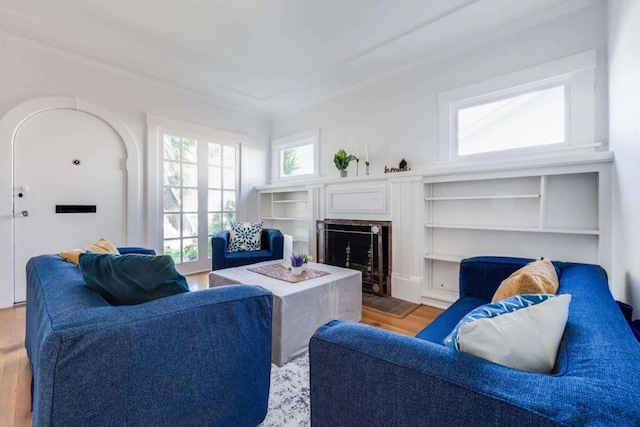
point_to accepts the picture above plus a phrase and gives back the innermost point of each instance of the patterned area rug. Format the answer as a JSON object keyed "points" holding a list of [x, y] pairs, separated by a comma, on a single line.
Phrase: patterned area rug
{"points": [[289, 395]]}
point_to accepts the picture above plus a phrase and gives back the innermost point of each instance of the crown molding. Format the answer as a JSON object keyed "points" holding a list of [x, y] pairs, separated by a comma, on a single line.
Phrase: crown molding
{"points": [[132, 75], [523, 24]]}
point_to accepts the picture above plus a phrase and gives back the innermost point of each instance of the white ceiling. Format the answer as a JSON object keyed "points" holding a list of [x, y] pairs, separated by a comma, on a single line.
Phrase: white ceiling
{"points": [[269, 56]]}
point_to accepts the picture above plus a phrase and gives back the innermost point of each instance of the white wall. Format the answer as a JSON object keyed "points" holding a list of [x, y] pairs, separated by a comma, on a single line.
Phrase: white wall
{"points": [[398, 117], [30, 71], [624, 136]]}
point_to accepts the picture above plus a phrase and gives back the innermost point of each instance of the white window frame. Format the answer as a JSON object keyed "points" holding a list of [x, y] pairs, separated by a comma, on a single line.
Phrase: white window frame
{"points": [[576, 73], [157, 126], [291, 141]]}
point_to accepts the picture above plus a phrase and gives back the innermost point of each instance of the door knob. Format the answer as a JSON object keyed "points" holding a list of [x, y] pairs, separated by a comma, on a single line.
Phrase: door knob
{"points": [[24, 213]]}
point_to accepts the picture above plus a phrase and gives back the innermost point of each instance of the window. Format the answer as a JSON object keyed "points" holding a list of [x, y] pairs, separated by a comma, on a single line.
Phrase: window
{"points": [[194, 188], [199, 187], [533, 118], [540, 109], [296, 155]]}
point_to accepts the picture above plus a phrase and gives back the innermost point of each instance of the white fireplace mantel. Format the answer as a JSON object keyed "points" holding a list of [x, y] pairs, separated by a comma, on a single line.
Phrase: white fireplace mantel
{"points": [[443, 213]]}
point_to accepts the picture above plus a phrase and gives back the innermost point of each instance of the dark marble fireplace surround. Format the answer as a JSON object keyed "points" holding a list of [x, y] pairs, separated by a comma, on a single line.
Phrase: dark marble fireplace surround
{"points": [[361, 245]]}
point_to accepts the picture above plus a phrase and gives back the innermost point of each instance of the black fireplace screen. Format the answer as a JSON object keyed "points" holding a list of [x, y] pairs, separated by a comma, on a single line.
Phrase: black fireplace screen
{"points": [[360, 245]]}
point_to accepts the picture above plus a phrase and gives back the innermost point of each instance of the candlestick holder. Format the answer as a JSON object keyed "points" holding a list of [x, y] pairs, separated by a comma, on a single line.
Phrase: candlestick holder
{"points": [[357, 167], [367, 167]]}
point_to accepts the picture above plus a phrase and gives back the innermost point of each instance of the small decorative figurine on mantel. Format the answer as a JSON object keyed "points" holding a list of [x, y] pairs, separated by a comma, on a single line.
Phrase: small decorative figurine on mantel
{"points": [[402, 167]]}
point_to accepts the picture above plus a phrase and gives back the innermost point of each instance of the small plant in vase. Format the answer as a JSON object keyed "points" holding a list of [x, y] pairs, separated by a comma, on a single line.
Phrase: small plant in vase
{"points": [[341, 159], [306, 258], [296, 264]]}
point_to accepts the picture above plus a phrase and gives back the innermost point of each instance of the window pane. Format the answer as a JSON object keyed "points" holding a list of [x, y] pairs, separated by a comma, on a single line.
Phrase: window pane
{"points": [[171, 147], [189, 175], [215, 179], [229, 200], [530, 119], [209, 251], [189, 225], [171, 225], [229, 156], [189, 250], [229, 178], [215, 154], [189, 150], [172, 247], [215, 200], [190, 201], [215, 222], [227, 218], [171, 199], [171, 174], [296, 161]]}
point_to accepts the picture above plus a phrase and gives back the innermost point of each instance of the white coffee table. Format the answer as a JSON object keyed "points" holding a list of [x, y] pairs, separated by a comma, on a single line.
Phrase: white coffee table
{"points": [[300, 308]]}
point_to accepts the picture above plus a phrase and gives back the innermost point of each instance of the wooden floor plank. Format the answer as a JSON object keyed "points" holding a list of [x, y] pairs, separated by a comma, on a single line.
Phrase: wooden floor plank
{"points": [[15, 377]]}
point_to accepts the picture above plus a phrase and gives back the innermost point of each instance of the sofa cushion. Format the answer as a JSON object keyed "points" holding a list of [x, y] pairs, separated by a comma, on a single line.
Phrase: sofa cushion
{"points": [[522, 332], [245, 236], [538, 277], [133, 278], [102, 246]]}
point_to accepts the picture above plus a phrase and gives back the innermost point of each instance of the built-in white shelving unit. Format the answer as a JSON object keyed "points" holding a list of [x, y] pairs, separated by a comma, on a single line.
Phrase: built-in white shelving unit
{"points": [[553, 213], [288, 210], [559, 208]]}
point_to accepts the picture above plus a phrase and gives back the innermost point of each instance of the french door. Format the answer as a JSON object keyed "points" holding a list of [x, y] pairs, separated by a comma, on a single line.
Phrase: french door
{"points": [[200, 182]]}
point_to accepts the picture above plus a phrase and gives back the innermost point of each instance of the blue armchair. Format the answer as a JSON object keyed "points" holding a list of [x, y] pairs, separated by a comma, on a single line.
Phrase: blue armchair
{"points": [[272, 248]]}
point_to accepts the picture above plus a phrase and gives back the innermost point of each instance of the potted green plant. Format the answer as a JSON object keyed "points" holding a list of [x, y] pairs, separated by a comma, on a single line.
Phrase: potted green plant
{"points": [[341, 160]]}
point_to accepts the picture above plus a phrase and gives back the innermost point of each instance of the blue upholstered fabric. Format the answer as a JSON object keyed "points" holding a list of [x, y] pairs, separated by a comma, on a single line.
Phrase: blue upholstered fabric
{"points": [[362, 376], [197, 358], [272, 248], [131, 278], [442, 325], [136, 250]]}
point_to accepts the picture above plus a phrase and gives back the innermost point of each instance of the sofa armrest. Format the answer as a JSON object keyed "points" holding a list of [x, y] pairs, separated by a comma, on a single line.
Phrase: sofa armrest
{"points": [[273, 241], [202, 356], [219, 245], [362, 376], [135, 250]]}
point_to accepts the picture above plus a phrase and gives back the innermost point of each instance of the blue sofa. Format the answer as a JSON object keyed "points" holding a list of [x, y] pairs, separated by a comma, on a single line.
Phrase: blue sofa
{"points": [[197, 358], [272, 248], [365, 376]]}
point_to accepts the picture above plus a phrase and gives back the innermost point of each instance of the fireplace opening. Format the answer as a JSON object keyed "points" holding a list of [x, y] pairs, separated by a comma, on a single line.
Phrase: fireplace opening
{"points": [[359, 245]]}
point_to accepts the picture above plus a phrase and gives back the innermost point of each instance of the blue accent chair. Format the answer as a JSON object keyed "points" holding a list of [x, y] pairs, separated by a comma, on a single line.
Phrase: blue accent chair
{"points": [[366, 376], [272, 249], [175, 361]]}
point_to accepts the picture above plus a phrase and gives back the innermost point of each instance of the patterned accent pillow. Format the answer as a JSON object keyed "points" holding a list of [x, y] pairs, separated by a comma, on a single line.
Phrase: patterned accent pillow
{"points": [[522, 332], [245, 236]]}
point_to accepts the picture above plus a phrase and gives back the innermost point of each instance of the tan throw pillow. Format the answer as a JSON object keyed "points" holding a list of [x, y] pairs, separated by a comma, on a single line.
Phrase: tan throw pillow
{"points": [[538, 277], [102, 246]]}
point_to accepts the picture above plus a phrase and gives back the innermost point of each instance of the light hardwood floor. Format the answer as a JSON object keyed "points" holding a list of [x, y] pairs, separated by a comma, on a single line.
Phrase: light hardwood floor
{"points": [[15, 377]]}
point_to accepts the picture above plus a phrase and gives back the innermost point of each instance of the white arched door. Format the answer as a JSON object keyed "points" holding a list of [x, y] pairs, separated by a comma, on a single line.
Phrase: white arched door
{"points": [[65, 158]]}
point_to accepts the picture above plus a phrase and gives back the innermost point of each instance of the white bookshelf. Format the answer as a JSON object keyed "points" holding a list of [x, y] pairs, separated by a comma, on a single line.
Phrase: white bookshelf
{"points": [[554, 213], [288, 210]]}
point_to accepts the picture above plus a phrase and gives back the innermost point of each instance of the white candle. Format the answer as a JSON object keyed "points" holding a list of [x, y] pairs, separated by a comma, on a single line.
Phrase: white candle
{"points": [[366, 154]]}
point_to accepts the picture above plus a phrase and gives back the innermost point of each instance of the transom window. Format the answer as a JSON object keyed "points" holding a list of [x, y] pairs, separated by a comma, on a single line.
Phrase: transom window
{"points": [[531, 118], [536, 111], [296, 155]]}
